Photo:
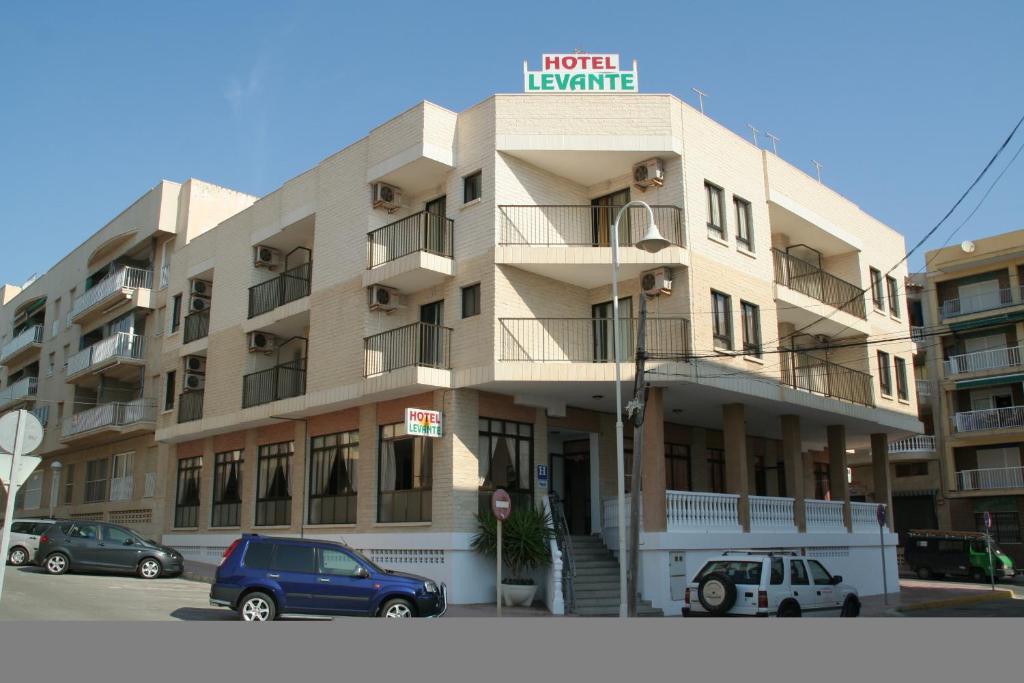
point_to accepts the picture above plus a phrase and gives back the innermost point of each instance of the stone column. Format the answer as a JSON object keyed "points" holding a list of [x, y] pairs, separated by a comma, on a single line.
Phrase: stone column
{"points": [[794, 463], [838, 486], [653, 474], [737, 478], [880, 473], [699, 459], [808, 474]]}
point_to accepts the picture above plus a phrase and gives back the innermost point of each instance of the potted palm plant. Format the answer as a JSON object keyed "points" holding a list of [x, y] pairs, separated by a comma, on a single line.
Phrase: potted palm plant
{"points": [[525, 536]]}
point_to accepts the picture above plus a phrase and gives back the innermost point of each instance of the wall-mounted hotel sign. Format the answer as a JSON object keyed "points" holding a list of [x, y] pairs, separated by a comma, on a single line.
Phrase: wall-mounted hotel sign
{"points": [[580, 73]]}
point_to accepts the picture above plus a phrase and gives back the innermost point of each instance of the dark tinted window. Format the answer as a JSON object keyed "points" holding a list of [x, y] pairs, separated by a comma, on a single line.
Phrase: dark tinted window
{"points": [[798, 573], [257, 555], [820, 574], [116, 535], [21, 528], [295, 558], [778, 572], [88, 531], [40, 527], [740, 571]]}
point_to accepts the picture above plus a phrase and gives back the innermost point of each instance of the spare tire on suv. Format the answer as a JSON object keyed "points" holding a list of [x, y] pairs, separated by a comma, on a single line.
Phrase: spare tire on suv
{"points": [[717, 593]]}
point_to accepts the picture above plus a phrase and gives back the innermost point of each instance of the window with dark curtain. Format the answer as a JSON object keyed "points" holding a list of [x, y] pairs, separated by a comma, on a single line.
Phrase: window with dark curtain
{"points": [[186, 502], [273, 493], [227, 489], [333, 462]]}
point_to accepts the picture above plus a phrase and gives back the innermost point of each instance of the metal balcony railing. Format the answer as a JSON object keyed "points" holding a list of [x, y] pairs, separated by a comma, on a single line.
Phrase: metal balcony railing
{"points": [[590, 340], [419, 344], [27, 337], [994, 418], [122, 345], [924, 389], [812, 281], [22, 388], [584, 225], [980, 361], [918, 334], [289, 286], [990, 478], [118, 414], [922, 443], [190, 406], [126, 277], [197, 326], [997, 298], [801, 370], [273, 384], [421, 231]]}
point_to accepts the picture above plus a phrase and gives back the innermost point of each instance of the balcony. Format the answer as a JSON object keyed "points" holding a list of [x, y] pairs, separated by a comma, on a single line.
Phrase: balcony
{"points": [[197, 326], [918, 334], [291, 285], [589, 340], [122, 285], [924, 390], [983, 361], [416, 345], [994, 418], [988, 301], [119, 355], [991, 478], [273, 384], [120, 417], [29, 339], [410, 254], [19, 390], [810, 280], [190, 406], [801, 370], [922, 443]]}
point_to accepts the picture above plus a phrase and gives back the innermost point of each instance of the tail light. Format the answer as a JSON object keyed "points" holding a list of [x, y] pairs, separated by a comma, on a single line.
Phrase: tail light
{"points": [[687, 596], [230, 549], [762, 599], [44, 539]]}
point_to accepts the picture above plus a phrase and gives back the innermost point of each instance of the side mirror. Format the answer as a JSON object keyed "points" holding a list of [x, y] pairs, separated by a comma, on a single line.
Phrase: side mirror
{"points": [[837, 579], [362, 573], [128, 541]]}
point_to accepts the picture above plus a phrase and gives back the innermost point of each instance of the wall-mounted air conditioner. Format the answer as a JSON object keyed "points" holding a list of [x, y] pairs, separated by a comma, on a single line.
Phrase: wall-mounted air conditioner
{"points": [[197, 304], [386, 196], [649, 173], [194, 382], [656, 282], [195, 364], [202, 288], [261, 341], [266, 257], [380, 298]]}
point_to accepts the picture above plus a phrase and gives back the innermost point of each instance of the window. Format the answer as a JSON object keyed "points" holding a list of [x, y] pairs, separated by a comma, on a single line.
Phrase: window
{"points": [[821, 481], [716, 470], [894, 295], [819, 574], [227, 489], [117, 536], [67, 354], [744, 218], [876, 288], [405, 476], [294, 558], [121, 476], [678, 476], [745, 572], [96, 480], [33, 491], [169, 384], [884, 373], [175, 313], [506, 461], [751, 328], [716, 210], [83, 530], [778, 572], [471, 301], [1005, 526], [186, 501], [55, 323], [911, 469], [258, 555], [901, 378], [721, 319], [51, 363], [273, 494], [472, 186], [337, 563], [798, 573], [161, 317], [333, 462], [69, 484]]}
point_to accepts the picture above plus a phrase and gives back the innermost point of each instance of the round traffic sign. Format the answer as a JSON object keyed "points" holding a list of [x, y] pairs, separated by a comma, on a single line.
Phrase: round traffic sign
{"points": [[988, 520], [31, 437], [501, 504], [880, 514]]}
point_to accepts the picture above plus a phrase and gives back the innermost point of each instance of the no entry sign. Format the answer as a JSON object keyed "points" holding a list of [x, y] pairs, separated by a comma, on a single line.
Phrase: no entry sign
{"points": [[501, 504]]}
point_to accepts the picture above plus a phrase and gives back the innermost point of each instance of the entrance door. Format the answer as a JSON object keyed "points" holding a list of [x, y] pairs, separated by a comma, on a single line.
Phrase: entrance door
{"points": [[576, 459], [434, 217], [603, 327], [603, 215], [430, 341]]}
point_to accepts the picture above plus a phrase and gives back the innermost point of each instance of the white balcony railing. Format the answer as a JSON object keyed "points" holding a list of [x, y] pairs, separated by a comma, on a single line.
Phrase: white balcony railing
{"points": [[918, 334], [150, 486], [864, 516], [126, 277], [994, 418], [986, 301], [29, 336], [78, 362], [990, 478], [24, 387], [980, 361], [120, 345], [922, 443], [768, 513], [110, 415], [121, 488], [824, 515], [699, 511], [924, 389]]}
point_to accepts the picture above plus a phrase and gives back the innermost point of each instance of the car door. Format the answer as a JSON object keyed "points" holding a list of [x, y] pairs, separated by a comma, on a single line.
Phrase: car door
{"points": [[343, 585], [83, 544], [294, 569], [826, 595], [800, 585], [119, 548]]}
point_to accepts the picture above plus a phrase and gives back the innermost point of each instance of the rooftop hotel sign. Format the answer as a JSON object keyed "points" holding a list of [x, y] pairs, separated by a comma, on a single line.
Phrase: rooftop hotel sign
{"points": [[580, 73]]}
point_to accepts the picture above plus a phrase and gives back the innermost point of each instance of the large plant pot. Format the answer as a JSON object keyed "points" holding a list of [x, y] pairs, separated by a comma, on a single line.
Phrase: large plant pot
{"points": [[518, 596]]}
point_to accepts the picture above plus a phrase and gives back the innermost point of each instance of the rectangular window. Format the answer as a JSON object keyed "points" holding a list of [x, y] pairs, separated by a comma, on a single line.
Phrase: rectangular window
{"points": [[911, 469], [1005, 526], [273, 493], [169, 385], [884, 373], [69, 484], [227, 489], [471, 301], [716, 210], [506, 461], [51, 363], [902, 390], [55, 323], [716, 470], [33, 491], [405, 476], [721, 319], [678, 476], [96, 480], [751, 328], [122, 476], [333, 463], [186, 501], [175, 313], [876, 288], [894, 295], [67, 354], [472, 186], [299, 559], [821, 481], [744, 219]]}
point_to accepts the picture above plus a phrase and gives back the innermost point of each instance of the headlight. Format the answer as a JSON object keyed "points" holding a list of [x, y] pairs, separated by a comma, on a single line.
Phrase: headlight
{"points": [[430, 586]]}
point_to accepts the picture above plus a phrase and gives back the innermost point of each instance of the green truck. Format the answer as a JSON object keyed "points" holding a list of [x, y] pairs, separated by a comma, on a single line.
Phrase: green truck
{"points": [[933, 553]]}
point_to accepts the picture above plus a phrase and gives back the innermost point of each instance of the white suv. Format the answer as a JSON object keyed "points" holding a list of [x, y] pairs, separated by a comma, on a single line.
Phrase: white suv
{"points": [[779, 584], [25, 538]]}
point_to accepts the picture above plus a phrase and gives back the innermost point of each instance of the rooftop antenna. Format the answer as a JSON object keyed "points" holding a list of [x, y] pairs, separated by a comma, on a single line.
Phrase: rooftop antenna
{"points": [[701, 95], [817, 165], [755, 131], [775, 143]]}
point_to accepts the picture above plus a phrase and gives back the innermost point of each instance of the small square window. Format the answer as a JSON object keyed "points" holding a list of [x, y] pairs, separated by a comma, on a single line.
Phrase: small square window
{"points": [[472, 186], [471, 301]]}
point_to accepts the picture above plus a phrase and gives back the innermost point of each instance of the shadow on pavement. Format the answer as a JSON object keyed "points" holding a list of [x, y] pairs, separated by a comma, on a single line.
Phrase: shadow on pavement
{"points": [[204, 614]]}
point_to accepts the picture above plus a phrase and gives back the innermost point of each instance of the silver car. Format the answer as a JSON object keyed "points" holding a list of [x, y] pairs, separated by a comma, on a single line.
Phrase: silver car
{"points": [[25, 535]]}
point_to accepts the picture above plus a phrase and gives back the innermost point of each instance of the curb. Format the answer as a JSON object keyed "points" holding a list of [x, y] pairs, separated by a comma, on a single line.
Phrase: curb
{"points": [[958, 601]]}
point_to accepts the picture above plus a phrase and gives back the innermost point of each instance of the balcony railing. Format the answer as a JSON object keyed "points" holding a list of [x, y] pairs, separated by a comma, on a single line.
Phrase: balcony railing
{"points": [[924, 389], [801, 370], [197, 326], [190, 406], [42, 413], [812, 281], [289, 286], [980, 361], [273, 384], [420, 344], [864, 516], [698, 511], [769, 513], [585, 226], [421, 231], [994, 418], [918, 334], [990, 478], [27, 337], [590, 340], [922, 443], [125, 277], [119, 346], [23, 388], [824, 515], [997, 298], [110, 415]]}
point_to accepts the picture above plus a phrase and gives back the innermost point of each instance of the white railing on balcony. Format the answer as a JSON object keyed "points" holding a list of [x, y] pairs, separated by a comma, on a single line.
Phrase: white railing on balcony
{"points": [[997, 298], [864, 516], [768, 513], [110, 415], [917, 333], [994, 418], [121, 488], [980, 361], [990, 478], [165, 275], [30, 335], [78, 362], [26, 386], [150, 486], [824, 515], [922, 443], [924, 389], [120, 345], [699, 511], [126, 277]]}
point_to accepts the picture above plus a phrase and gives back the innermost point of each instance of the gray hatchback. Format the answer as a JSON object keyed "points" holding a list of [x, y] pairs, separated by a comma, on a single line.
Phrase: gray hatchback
{"points": [[99, 546]]}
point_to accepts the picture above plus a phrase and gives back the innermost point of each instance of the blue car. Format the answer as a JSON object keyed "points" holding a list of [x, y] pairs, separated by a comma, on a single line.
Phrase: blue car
{"points": [[264, 577]]}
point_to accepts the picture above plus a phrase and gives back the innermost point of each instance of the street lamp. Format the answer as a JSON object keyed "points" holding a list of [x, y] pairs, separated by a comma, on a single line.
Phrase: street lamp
{"points": [[55, 467], [651, 242]]}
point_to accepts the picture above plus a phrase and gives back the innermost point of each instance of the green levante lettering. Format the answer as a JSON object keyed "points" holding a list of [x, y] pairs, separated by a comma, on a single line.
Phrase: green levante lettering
{"points": [[547, 81]]}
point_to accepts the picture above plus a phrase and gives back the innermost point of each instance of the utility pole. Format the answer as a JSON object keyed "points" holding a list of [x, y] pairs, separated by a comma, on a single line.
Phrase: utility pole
{"points": [[635, 412]]}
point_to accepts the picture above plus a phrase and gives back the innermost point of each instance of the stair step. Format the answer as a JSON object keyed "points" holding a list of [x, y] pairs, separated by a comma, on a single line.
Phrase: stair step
{"points": [[597, 575], [603, 587]]}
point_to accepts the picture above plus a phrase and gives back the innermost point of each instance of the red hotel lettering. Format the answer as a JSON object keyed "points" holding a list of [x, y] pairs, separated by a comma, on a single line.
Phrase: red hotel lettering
{"points": [[581, 62]]}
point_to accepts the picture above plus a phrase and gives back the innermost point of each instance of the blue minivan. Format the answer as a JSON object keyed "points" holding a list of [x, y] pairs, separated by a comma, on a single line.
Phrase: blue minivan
{"points": [[265, 577]]}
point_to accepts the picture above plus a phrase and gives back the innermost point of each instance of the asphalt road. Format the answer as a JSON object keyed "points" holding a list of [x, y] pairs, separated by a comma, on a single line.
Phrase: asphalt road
{"points": [[997, 608]]}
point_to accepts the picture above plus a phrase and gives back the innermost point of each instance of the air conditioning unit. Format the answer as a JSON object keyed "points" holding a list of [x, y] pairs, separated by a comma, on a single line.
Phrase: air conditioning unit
{"points": [[202, 288], [382, 298], [197, 304], [656, 282], [195, 364], [194, 381], [650, 173], [265, 257], [261, 341], [386, 196]]}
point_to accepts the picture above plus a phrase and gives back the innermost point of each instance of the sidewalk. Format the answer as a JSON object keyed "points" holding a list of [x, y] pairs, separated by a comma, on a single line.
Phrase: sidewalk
{"points": [[918, 595]]}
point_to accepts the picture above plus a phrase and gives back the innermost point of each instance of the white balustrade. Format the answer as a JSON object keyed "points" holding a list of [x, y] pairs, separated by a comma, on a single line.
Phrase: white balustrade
{"points": [[28, 336], [78, 362], [110, 415], [24, 387], [824, 515], [122, 278], [994, 418], [768, 513], [990, 478], [922, 443], [699, 511], [864, 516], [986, 301], [119, 345], [980, 361]]}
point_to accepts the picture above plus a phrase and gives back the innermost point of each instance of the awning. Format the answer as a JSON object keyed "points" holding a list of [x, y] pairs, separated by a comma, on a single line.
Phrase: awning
{"points": [[914, 492], [988, 321], [1003, 504], [990, 381]]}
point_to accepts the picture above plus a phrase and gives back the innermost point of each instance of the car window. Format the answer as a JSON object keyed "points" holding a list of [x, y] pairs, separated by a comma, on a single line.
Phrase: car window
{"points": [[337, 563], [257, 555], [40, 527], [819, 574], [294, 558], [740, 571], [798, 573], [117, 536], [65, 528], [87, 531], [979, 547], [21, 528], [778, 571]]}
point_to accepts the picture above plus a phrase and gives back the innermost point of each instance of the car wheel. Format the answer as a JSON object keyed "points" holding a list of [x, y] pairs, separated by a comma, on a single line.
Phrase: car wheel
{"points": [[257, 607], [717, 593], [924, 573], [851, 608], [18, 556], [789, 609], [150, 568], [57, 564], [397, 608]]}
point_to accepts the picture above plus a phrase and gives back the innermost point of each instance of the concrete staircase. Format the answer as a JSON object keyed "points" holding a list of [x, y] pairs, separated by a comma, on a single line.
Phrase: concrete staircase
{"points": [[597, 581]]}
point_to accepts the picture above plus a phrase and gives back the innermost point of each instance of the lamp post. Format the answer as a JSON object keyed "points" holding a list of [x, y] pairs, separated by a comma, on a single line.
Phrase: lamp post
{"points": [[651, 242], [55, 467]]}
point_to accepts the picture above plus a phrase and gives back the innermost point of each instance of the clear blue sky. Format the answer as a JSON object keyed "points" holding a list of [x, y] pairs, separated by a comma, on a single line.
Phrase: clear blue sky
{"points": [[902, 102]]}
